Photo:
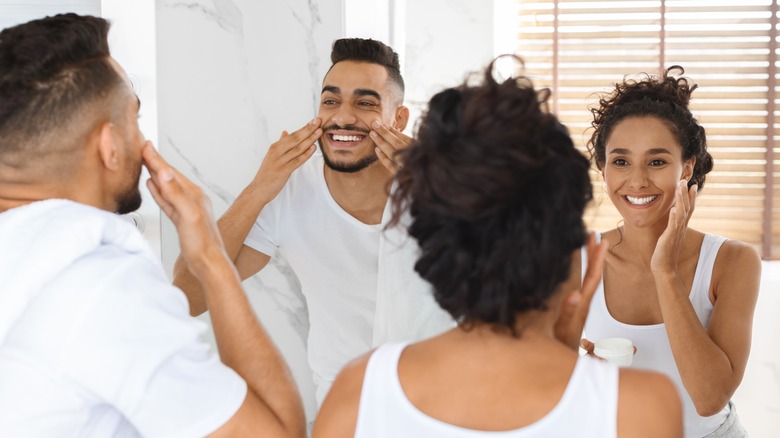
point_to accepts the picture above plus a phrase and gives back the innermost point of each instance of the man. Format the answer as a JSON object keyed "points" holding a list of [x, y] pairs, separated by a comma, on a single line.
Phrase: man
{"points": [[327, 221], [94, 341]]}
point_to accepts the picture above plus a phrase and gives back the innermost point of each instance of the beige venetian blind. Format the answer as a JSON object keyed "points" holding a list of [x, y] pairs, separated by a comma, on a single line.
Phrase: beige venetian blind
{"points": [[579, 48]]}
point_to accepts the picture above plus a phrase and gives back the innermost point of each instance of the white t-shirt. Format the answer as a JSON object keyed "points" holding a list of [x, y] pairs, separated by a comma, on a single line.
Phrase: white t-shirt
{"points": [[335, 257], [105, 347], [587, 409]]}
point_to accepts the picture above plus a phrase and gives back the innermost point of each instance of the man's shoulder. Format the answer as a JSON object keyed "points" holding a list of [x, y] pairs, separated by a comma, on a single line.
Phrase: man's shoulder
{"points": [[305, 184], [112, 274]]}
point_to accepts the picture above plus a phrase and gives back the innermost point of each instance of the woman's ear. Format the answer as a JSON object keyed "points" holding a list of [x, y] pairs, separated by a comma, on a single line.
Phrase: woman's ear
{"points": [[688, 167]]}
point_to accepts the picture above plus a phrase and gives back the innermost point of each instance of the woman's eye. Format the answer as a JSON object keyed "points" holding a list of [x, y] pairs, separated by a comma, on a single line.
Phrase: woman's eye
{"points": [[620, 162], [656, 163]]}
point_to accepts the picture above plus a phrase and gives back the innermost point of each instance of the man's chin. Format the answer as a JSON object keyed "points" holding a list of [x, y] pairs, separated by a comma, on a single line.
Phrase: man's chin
{"points": [[351, 167], [129, 203], [348, 166]]}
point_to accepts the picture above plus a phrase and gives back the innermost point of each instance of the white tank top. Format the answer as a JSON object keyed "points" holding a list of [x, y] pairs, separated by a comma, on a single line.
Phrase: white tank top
{"points": [[651, 341], [588, 408]]}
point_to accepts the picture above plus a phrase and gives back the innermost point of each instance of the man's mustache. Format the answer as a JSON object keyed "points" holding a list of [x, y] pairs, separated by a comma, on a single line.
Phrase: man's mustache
{"points": [[333, 127]]}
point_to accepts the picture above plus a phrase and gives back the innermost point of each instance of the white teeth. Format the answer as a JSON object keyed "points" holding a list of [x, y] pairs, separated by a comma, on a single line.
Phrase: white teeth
{"points": [[641, 201], [346, 137]]}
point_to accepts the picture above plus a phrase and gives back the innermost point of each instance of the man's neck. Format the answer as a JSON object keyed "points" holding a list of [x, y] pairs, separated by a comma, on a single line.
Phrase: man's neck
{"points": [[14, 194], [362, 194]]}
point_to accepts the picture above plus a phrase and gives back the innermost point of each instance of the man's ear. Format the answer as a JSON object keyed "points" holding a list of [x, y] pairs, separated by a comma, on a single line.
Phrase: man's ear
{"points": [[107, 150], [401, 118]]}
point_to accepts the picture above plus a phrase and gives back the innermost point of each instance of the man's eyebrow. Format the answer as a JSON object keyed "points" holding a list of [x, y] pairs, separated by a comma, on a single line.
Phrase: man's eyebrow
{"points": [[367, 92], [332, 89]]}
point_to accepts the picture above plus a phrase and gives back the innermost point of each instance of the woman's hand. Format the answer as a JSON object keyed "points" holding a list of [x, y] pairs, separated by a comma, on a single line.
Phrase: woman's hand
{"points": [[667, 249], [575, 306]]}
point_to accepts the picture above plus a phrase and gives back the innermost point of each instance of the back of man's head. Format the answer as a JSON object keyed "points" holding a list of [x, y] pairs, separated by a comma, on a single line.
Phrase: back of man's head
{"points": [[368, 50], [56, 85]]}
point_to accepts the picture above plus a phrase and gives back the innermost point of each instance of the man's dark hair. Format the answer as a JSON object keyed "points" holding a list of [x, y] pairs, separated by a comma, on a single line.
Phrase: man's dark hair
{"points": [[496, 191], [53, 71], [368, 50]]}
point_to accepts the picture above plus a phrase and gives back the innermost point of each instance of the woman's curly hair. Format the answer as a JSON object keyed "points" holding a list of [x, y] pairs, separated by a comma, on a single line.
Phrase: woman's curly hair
{"points": [[667, 98], [495, 190]]}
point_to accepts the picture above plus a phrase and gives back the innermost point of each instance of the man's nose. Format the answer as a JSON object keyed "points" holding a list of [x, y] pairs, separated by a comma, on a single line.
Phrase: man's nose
{"points": [[344, 116]]}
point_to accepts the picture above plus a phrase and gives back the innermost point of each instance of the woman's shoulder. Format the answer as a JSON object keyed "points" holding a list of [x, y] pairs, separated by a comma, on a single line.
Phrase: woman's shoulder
{"points": [[737, 266], [737, 258], [648, 405], [735, 250], [339, 412]]}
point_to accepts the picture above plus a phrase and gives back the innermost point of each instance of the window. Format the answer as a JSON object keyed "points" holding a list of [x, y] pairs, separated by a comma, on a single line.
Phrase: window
{"points": [[729, 48]]}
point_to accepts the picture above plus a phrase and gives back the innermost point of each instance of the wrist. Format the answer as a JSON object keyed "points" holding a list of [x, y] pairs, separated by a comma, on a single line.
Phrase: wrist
{"points": [[667, 280], [207, 262], [260, 190]]}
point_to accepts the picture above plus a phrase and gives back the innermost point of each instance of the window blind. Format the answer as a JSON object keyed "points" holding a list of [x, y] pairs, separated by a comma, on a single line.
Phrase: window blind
{"points": [[580, 48]]}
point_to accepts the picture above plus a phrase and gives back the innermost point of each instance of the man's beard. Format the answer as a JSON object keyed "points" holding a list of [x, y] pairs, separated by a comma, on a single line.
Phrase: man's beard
{"points": [[130, 200], [353, 167]]}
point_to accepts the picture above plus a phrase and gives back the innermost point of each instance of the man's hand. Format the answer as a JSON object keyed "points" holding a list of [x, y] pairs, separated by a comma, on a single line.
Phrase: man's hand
{"points": [[284, 156], [186, 205], [389, 141]]}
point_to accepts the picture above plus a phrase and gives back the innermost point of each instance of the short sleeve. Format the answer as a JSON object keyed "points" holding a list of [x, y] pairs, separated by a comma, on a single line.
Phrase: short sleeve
{"points": [[264, 234], [132, 345]]}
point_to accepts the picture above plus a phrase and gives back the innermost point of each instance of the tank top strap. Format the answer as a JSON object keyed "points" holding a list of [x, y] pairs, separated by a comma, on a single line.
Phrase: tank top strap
{"points": [[702, 279], [379, 388], [584, 254]]}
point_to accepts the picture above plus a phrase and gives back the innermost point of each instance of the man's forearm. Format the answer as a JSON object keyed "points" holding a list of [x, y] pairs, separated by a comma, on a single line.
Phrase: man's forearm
{"points": [[233, 226], [246, 347]]}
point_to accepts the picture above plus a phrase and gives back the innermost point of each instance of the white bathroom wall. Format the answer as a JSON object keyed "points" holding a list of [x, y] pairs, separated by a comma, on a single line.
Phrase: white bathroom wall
{"points": [[132, 40], [444, 40], [13, 12]]}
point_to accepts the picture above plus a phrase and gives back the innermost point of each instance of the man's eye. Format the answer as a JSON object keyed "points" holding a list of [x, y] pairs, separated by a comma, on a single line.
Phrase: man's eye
{"points": [[328, 102], [366, 104]]}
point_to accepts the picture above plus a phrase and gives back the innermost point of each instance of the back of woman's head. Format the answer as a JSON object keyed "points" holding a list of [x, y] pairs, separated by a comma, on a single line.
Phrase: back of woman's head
{"points": [[667, 98], [496, 191]]}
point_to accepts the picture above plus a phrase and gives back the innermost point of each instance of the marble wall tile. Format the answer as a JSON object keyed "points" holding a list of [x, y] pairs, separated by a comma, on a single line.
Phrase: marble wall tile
{"points": [[232, 75], [445, 40]]}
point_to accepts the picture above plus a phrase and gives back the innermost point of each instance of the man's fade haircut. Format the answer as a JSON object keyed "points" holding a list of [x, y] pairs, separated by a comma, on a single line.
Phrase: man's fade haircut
{"points": [[53, 71], [368, 50]]}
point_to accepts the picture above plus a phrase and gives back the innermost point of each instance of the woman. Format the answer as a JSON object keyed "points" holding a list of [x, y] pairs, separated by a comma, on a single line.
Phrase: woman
{"points": [[685, 298], [495, 191]]}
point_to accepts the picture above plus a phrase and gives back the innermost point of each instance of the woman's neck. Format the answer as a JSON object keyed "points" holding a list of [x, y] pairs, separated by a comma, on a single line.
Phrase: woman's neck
{"points": [[638, 242]]}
